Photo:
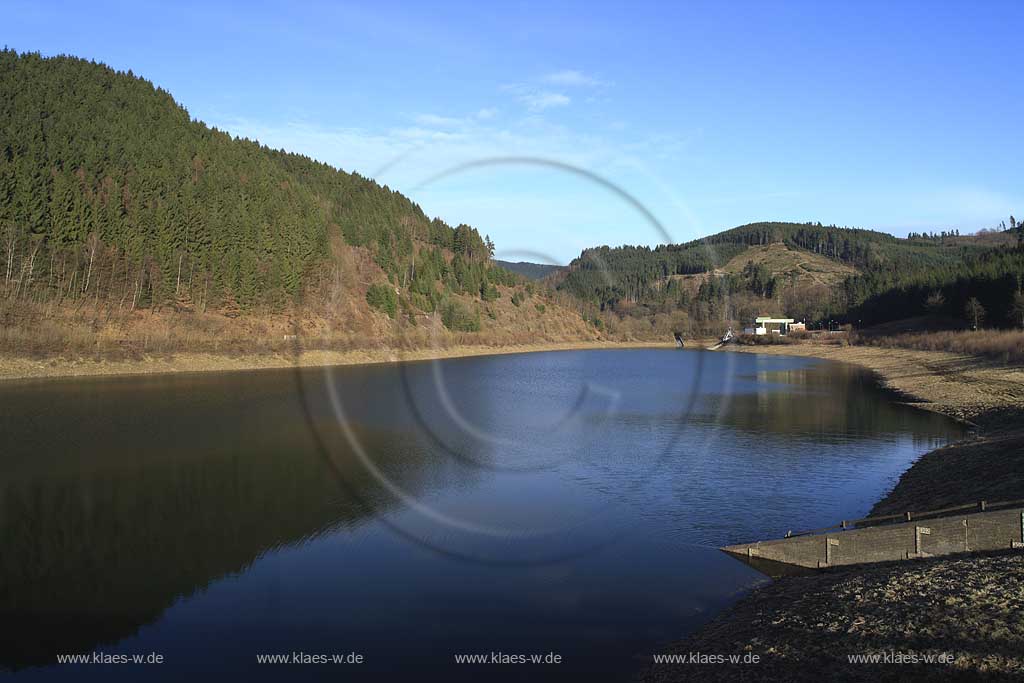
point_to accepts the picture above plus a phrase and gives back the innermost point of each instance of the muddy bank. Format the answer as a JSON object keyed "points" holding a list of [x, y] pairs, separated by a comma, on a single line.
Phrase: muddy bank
{"points": [[16, 367]]}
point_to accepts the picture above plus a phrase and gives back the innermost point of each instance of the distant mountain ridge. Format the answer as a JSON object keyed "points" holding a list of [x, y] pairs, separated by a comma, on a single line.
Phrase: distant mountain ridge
{"points": [[807, 270], [114, 200]]}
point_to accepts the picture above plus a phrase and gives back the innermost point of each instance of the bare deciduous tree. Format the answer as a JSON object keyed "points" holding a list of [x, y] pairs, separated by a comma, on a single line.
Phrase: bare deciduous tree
{"points": [[975, 312]]}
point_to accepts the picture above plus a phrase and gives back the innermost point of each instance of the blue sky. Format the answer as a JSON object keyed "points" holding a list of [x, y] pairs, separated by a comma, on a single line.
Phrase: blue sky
{"points": [[895, 116]]}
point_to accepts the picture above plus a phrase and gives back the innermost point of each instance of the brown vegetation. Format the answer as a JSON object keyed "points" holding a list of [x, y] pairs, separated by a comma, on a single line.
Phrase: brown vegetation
{"points": [[794, 266], [764, 340], [1003, 345], [49, 330], [113, 314]]}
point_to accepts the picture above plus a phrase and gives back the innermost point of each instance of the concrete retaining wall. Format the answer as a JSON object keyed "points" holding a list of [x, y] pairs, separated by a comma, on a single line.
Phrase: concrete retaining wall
{"points": [[997, 530]]}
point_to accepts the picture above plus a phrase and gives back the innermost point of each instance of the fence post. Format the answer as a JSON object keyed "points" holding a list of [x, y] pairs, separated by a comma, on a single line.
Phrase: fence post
{"points": [[918, 532], [829, 544]]}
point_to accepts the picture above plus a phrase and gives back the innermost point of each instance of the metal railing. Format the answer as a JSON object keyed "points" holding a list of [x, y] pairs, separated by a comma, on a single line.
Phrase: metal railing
{"points": [[980, 506]]}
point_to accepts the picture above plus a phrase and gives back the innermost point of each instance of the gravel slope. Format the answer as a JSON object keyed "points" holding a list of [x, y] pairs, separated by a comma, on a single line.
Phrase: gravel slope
{"points": [[804, 628]]}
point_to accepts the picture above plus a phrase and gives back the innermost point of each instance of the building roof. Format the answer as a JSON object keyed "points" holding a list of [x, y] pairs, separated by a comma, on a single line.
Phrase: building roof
{"points": [[765, 319]]}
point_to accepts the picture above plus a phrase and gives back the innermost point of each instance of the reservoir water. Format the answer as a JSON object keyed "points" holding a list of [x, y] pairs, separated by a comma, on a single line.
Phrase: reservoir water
{"points": [[566, 503]]}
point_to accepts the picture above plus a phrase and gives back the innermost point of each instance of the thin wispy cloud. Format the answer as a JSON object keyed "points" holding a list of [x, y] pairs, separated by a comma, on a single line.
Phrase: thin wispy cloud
{"points": [[537, 99], [366, 149], [426, 134], [440, 121], [407, 153], [538, 95], [572, 78], [449, 122]]}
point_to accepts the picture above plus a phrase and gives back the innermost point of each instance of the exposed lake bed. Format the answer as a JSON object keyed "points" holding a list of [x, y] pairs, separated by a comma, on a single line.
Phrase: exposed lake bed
{"points": [[948, 606]]}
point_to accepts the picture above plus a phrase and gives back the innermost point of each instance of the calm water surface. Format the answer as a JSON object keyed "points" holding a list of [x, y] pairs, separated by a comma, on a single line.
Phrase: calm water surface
{"points": [[565, 502]]}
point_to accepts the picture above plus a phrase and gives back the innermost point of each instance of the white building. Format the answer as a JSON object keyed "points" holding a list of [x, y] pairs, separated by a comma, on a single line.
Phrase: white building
{"points": [[769, 325]]}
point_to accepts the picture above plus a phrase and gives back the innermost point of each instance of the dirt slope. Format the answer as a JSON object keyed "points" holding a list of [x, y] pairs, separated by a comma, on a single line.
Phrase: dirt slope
{"points": [[786, 262]]}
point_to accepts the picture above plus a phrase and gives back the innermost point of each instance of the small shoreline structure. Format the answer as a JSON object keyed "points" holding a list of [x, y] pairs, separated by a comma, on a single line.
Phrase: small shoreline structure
{"points": [[952, 597], [890, 538], [727, 338]]}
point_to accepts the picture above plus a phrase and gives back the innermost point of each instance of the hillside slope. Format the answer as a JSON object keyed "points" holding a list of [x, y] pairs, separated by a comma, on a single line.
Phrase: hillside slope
{"points": [[790, 264], [114, 201], [531, 271], [805, 270]]}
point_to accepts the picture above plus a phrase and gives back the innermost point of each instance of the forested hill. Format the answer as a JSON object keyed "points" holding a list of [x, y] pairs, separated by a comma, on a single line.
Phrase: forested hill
{"points": [[105, 179], [114, 200], [806, 270], [532, 271]]}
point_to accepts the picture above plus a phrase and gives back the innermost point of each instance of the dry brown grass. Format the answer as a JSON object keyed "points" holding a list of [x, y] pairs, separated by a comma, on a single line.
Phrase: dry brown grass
{"points": [[103, 332], [1006, 346], [798, 265], [764, 340]]}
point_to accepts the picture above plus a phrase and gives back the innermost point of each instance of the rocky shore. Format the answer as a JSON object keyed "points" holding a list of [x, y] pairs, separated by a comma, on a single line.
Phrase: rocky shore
{"points": [[969, 609], [963, 613]]}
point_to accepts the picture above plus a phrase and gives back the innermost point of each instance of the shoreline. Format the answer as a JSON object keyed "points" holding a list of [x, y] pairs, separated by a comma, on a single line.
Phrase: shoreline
{"points": [[983, 395], [964, 388], [17, 368], [797, 624], [959, 604]]}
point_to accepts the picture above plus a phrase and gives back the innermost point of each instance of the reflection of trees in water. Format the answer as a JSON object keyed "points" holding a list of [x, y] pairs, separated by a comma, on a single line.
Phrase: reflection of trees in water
{"points": [[91, 555], [830, 401]]}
